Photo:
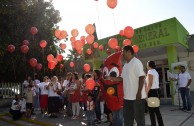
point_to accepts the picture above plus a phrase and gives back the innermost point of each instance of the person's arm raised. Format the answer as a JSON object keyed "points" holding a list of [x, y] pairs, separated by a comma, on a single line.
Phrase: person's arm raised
{"points": [[114, 78]]}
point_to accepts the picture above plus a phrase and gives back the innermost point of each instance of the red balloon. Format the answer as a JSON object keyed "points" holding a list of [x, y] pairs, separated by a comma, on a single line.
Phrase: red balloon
{"points": [[72, 39], [118, 48], [25, 42], [73, 44], [89, 51], [112, 3], [51, 65], [63, 46], [121, 32], [63, 34], [90, 39], [33, 62], [74, 32], [71, 64], [33, 30], [39, 66], [24, 49], [108, 51], [79, 51], [90, 29], [43, 43], [59, 57], [129, 32], [57, 33], [11, 48], [95, 45], [90, 83], [87, 67], [61, 66], [113, 43], [50, 57], [101, 47], [78, 44], [135, 48], [126, 42], [55, 61]]}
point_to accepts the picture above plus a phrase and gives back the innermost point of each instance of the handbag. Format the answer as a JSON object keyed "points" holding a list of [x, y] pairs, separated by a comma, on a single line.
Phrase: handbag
{"points": [[153, 102]]}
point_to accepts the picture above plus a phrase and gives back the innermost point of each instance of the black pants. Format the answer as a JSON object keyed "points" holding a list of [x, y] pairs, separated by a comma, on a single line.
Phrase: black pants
{"points": [[97, 110], [16, 114], [53, 104], [155, 111]]}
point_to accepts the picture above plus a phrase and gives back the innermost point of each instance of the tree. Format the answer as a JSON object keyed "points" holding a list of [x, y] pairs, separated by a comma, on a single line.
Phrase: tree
{"points": [[16, 19]]}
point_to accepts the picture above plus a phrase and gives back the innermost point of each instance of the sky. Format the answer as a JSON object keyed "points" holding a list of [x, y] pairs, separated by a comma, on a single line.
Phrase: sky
{"points": [[76, 14]]}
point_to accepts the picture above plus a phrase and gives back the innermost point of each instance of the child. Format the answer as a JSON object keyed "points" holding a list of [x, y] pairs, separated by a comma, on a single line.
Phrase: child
{"points": [[29, 101], [90, 110]]}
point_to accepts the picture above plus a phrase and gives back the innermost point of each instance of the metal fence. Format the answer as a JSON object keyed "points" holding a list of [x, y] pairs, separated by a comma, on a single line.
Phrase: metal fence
{"points": [[8, 90]]}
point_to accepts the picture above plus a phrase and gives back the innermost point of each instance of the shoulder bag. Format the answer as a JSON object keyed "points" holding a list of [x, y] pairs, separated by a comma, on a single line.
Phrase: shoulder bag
{"points": [[153, 101]]}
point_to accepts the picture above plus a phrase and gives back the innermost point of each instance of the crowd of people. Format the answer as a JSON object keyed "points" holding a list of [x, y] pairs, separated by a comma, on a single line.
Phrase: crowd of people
{"points": [[121, 96]]}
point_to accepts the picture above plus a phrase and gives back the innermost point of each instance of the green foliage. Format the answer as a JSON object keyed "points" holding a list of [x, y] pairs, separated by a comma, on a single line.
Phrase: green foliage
{"points": [[16, 19]]}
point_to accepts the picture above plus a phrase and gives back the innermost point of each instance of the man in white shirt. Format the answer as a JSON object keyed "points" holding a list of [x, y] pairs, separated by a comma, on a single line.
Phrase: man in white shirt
{"points": [[134, 89], [184, 81]]}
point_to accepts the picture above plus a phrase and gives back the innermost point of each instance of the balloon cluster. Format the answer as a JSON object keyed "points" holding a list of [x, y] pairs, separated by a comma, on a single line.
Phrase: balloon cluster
{"points": [[52, 61]]}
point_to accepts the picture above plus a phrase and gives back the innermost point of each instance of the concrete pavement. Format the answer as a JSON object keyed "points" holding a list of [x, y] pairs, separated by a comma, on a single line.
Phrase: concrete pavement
{"points": [[170, 114]]}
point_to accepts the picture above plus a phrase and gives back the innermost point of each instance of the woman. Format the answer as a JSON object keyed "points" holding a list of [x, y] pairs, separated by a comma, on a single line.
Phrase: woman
{"points": [[53, 98], [75, 95], [15, 108], [43, 95], [66, 86], [152, 90]]}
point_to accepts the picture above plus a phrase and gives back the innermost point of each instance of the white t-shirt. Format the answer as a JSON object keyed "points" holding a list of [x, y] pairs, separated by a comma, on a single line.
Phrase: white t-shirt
{"points": [[130, 74], [43, 89], [66, 84], [155, 82], [37, 82], [51, 92], [183, 79], [16, 107], [73, 86]]}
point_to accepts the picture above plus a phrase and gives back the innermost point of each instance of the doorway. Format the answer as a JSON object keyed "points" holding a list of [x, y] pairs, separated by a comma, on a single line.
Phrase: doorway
{"points": [[164, 83]]}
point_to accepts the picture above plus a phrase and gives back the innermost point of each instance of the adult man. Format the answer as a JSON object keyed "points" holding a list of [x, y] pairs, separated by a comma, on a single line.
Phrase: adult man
{"points": [[184, 80], [134, 91]]}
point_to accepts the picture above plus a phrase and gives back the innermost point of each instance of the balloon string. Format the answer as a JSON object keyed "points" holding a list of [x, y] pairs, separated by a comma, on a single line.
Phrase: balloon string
{"points": [[13, 68], [34, 72], [25, 65], [43, 60], [98, 19], [33, 44], [93, 62], [114, 22]]}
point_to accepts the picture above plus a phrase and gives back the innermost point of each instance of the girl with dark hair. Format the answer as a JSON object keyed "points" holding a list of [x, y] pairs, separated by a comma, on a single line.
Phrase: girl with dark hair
{"points": [[75, 95], [152, 90]]}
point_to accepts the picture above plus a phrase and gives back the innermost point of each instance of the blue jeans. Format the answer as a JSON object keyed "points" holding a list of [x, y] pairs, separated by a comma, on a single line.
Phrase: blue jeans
{"points": [[134, 110], [186, 98], [118, 117], [90, 116], [36, 101]]}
